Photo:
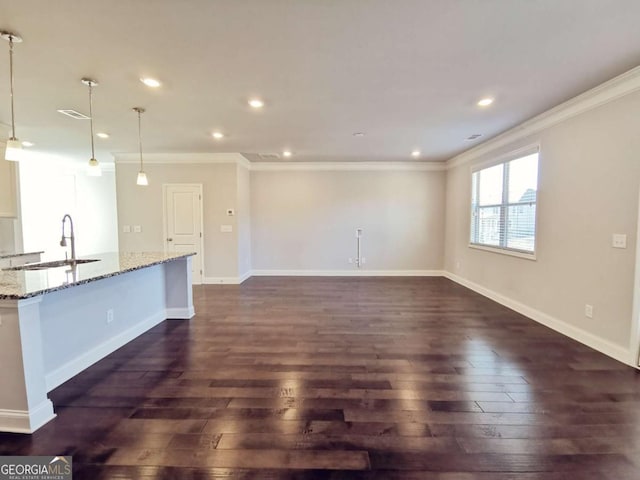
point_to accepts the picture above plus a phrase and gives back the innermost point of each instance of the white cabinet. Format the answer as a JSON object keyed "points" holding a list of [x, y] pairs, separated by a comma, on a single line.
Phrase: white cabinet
{"points": [[8, 203]]}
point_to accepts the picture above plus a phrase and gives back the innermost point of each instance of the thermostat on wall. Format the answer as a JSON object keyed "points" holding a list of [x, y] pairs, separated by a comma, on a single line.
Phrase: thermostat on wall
{"points": [[231, 212]]}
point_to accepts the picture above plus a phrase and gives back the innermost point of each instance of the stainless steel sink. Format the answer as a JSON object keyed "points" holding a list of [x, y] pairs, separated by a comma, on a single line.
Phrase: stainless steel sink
{"points": [[53, 264]]}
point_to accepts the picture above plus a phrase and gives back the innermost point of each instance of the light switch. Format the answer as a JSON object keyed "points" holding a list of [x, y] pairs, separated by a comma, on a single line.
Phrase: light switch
{"points": [[126, 228], [226, 228], [619, 240], [137, 229]]}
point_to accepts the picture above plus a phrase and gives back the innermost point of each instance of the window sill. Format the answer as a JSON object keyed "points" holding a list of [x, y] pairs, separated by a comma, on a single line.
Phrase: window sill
{"points": [[504, 251]]}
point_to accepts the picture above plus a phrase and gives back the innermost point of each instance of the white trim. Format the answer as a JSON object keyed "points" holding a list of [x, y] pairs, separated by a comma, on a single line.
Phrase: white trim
{"points": [[223, 280], [88, 358], [23, 302], [184, 313], [245, 276], [507, 157], [348, 166], [634, 343], [587, 338], [22, 421], [182, 158], [347, 273], [504, 251], [615, 88]]}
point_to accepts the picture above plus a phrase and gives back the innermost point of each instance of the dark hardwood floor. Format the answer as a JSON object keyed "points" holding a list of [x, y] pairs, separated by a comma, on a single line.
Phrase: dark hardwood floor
{"points": [[347, 378]]}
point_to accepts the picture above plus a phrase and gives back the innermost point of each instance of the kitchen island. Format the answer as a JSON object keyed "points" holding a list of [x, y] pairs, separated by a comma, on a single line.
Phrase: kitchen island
{"points": [[56, 322]]}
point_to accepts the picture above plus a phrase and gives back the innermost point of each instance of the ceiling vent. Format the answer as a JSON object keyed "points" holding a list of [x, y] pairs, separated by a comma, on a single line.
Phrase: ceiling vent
{"points": [[475, 136], [269, 157], [74, 114]]}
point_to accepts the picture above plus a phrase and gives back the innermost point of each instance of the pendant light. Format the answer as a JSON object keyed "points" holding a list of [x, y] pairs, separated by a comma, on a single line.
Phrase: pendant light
{"points": [[14, 147], [142, 177], [94, 167]]}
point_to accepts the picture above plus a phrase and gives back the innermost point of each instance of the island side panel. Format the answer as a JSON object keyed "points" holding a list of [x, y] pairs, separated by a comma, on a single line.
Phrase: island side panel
{"points": [[179, 288], [24, 406], [84, 323]]}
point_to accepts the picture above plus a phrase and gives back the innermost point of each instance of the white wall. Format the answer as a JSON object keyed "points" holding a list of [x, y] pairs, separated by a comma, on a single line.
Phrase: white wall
{"points": [[143, 206], [50, 187], [306, 220], [588, 190], [243, 215]]}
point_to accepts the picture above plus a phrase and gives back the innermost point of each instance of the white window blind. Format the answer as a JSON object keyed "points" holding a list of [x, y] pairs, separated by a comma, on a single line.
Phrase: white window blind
{"points": [[503, 204]]}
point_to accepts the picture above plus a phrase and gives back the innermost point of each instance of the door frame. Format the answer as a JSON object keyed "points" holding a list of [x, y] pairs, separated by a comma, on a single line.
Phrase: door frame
{"points": [[164, 220]]}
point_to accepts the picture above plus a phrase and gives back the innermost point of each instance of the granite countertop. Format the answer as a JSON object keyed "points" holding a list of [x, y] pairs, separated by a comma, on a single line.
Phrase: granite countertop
{"points": [[20, 284], [12, 255]]}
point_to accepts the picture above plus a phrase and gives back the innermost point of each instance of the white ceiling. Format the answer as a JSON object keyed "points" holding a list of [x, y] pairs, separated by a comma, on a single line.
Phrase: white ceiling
{"points": [[406, 72]]}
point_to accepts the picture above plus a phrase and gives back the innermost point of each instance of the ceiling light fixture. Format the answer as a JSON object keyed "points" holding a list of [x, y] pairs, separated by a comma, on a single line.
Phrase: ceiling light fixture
{"points": [[102, 135], [256, 103], [94, 167], [358, 134], [13, 152], [286, 153], [27, 144], [150, 82], [415, 153], [142, 177], [485, 102], [218, 135]]}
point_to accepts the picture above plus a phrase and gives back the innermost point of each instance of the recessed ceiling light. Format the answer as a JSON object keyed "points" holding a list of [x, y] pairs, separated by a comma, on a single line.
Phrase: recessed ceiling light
{"points": [[27, 144], [358, 134], [485, 102], [102, 135], [73, 114], [217, 135], [256, 103], [150, 82], [415, 153], [286, 153]]}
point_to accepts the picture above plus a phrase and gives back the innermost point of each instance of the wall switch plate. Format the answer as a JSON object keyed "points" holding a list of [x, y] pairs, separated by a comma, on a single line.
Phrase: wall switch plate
{"points": [[137, 229], [231, 212], [588, 311], [619, 240], [126, 228], [226, 228], [110, 315]]}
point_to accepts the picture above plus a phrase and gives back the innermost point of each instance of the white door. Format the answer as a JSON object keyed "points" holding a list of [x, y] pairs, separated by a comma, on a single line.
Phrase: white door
{"points": [[183, 223]]}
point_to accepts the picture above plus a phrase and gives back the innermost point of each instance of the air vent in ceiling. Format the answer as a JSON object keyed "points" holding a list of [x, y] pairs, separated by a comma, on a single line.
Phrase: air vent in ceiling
{"points": [[74, 114], [475, 136], [269, 157]]}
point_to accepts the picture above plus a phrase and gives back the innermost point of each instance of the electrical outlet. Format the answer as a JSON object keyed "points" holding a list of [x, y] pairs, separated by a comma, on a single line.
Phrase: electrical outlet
{"points": [[619, 240], [110, 315], [126, 229], [137, 229], [363, 261], [457, 264], [588, 311]]}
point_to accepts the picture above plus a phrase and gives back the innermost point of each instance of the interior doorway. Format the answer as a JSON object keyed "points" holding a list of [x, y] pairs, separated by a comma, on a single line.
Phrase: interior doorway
{"points": [[183, 223]]}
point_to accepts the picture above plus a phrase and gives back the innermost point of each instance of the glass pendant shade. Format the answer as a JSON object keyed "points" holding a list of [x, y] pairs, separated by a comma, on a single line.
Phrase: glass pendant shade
{"points": [[13, 152], [142, 179], [94, 169]]}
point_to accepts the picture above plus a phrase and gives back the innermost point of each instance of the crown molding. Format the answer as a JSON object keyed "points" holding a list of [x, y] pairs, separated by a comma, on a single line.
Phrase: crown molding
{"points": [[348, 166], [181, 158], [609, 91]]}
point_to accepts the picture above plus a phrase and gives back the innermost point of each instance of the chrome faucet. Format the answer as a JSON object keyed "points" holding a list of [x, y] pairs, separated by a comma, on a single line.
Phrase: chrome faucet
{"points": [[63, 241]]}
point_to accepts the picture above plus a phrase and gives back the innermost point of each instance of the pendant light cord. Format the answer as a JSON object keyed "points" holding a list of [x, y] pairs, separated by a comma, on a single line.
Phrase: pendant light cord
{"points": [[93, 154], [13, 120], [140, 138]]}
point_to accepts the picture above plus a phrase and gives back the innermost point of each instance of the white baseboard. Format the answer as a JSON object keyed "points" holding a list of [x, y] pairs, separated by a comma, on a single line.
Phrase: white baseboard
{"points": [[180, 313], [85, 360], [223, 280], [611, 349], [347, 273], [245, 276], [21, 421]]}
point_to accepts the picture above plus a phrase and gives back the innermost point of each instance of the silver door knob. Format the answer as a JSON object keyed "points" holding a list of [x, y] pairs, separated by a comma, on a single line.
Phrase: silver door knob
{"points": [[169, 239]]}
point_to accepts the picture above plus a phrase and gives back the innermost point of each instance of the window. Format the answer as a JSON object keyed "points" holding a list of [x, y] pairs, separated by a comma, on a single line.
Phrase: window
{"points": [[503, 204]]}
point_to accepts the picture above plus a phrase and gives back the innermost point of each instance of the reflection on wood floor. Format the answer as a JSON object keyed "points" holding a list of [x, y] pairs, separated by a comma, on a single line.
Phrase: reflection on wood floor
{"points": [[347, 378]]}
